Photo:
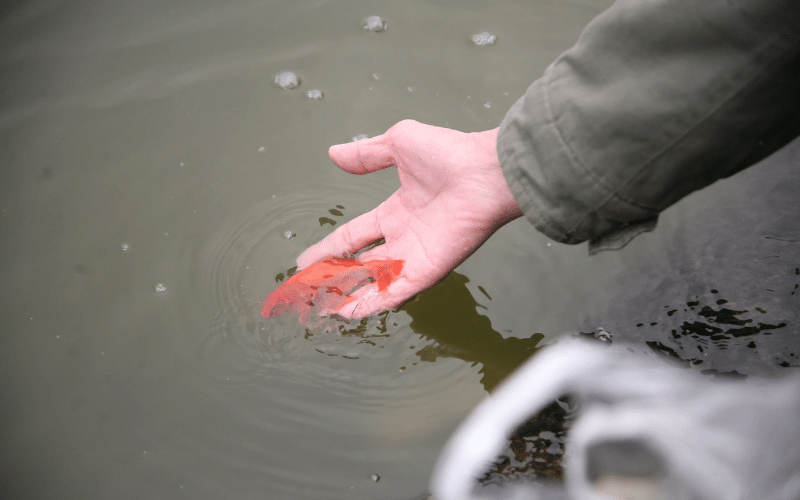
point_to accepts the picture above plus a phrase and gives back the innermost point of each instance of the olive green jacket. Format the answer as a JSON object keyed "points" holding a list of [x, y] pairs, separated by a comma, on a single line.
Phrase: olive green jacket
{"points": [[657, 99]]}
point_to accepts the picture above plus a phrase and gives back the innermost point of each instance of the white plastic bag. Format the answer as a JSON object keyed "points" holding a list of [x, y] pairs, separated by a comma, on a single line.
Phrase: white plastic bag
{"points": [[644, 429]]}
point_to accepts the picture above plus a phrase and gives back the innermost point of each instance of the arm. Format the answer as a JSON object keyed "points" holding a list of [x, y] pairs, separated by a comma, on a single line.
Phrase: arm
{"points": [[656, 100]]}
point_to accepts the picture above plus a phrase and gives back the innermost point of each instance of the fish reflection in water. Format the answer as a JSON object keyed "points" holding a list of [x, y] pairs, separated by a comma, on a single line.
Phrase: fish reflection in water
{"points": [[325, 286]]}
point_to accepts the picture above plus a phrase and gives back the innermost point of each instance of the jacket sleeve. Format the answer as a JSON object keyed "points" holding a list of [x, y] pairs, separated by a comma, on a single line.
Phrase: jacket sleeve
{"points": [[657, 99]]}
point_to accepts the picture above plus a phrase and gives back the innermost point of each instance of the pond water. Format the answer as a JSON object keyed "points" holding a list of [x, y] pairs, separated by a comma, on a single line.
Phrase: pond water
{"points": [[152, 164]]}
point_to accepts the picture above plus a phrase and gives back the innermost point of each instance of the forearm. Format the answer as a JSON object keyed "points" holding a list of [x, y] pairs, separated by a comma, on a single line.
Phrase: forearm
{"points": [[656, 100]]}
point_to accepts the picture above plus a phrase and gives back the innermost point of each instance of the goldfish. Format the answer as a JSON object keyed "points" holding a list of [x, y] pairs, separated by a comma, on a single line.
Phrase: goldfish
{"points": [[326, 285]]}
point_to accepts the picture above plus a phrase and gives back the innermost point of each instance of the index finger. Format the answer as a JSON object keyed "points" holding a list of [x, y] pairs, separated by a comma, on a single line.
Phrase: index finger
{"points": [[348, 239]]}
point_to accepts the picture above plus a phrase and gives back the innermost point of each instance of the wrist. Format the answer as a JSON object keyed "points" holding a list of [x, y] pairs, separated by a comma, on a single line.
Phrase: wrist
{"points": [[508, 208]]}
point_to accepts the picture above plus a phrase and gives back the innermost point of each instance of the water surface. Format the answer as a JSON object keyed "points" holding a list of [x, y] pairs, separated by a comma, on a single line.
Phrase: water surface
{"points": [[150, 169]]}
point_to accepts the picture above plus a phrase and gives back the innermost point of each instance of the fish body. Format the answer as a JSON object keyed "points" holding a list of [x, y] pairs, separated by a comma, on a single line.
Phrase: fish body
{"points": [[326, 285]]}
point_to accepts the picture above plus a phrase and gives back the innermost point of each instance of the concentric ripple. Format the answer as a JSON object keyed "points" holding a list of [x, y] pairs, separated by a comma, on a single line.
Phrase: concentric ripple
{"points": [[241, 264], [368, 366]]}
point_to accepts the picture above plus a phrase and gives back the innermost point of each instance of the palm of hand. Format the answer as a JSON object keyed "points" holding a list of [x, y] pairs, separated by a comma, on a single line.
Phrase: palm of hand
{"points": [[452, 198]]}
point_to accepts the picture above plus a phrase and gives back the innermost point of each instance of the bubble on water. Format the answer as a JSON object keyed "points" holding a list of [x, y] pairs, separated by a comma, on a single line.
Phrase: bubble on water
{"points": [[161, 288], [375, 76], [375, 477], [287, 80], [289, 235], [603, 334], [375, 24], [314, 94], [125, 247], [483, 38], [261, 149], [359, 137], [487, 105]]}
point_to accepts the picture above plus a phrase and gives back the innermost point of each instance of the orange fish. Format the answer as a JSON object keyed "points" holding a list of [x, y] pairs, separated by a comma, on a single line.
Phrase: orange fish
{"points": [[325, 285]]}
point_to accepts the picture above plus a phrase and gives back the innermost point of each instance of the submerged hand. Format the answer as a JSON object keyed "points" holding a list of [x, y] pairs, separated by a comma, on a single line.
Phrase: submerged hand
{"points": [[452, 197]]}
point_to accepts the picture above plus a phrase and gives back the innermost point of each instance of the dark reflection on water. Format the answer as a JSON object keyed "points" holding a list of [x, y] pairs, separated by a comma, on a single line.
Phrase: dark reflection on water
{"points": [[448, 314], [720, 295]]}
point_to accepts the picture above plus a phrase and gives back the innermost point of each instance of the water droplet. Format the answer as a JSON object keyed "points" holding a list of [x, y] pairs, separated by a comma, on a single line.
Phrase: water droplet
{"points": [[375, 76], [483, 38], [125, 247], [161, 288], [359, 137], [314, 94], [289, 235], [182, 164], [261, 149], [487, 105], [374, 23], [410, 89], [287, 80], [549, 244], [375, 477]]}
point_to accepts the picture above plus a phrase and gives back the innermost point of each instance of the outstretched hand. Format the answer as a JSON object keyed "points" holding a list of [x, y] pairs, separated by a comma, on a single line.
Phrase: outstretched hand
{"points": [[452, 197]]}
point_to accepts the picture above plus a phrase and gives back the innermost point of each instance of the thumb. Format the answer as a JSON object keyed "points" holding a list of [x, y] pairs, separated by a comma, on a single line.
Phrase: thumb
{"points": [[364, 156]]}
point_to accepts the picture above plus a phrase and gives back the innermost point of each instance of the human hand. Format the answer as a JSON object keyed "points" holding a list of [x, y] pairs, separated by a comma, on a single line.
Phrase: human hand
{"points": [[452, 197]]}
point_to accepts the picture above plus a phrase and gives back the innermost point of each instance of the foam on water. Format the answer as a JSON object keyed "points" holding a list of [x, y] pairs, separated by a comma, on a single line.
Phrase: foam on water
{"points": [[484, 38], [314, 94], [374, 24], [287, 80]]}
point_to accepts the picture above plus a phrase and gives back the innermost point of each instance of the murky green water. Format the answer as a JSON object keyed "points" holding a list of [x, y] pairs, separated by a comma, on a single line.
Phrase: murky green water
{"points": [[149, 168]]}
